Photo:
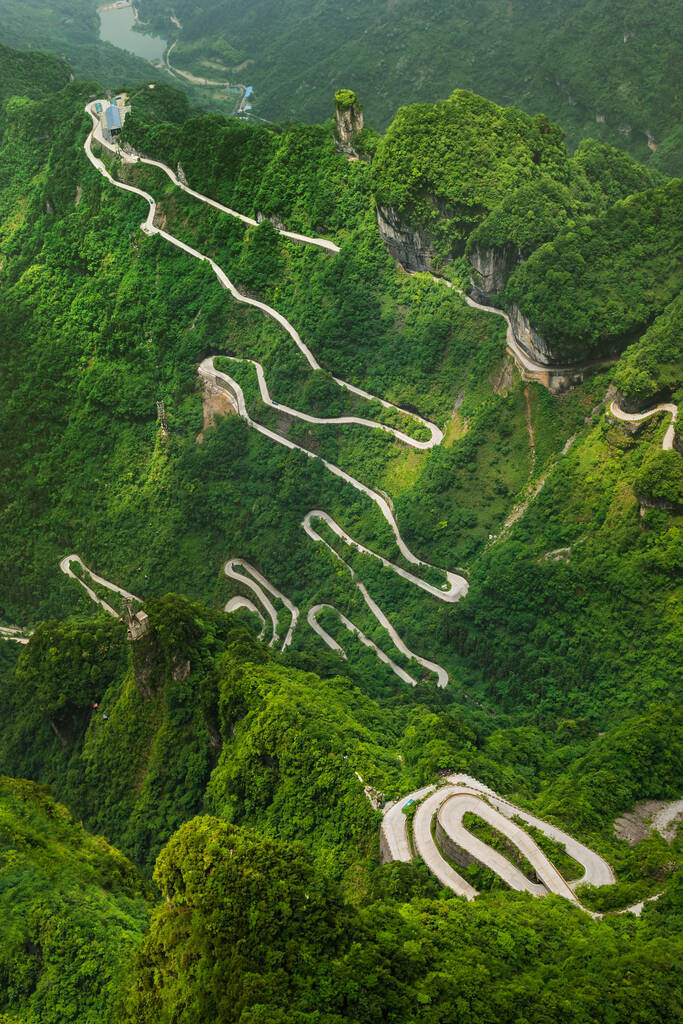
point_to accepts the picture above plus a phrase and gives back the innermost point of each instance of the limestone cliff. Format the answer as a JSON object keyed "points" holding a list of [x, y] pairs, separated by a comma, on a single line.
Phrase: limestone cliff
{"points": [[491, 269], [410, 246], [531, 341], [348, 116], [642, 402]]}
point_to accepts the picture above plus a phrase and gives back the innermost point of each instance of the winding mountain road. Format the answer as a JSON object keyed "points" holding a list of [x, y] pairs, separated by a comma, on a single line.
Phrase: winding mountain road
{"points": [[259, 584], [238, 602], [312, 619], [636, 417], [522, 358], [455, 586], [435, 438], [15, 633], [65, 566], [461, 795]]}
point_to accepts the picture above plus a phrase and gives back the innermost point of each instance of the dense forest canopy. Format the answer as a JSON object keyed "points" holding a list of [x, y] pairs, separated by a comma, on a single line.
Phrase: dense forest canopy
{"points": [[207, 849]]}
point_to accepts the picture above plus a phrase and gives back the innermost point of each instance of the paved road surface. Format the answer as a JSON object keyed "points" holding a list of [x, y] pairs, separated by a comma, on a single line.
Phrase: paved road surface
{"points": [[259, 584], [395, 824], [312, 619], [635, 417], [450, 816], [426, 847], [596, 869], [65, 566], [462, 794], [235, 603], [15, 633]]}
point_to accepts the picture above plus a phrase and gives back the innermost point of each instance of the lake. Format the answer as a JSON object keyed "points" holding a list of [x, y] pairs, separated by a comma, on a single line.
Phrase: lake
{"points": [[117, 27]]}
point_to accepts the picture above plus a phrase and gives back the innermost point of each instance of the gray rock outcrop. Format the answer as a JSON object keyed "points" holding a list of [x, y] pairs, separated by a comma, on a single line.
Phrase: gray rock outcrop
{"points": [[490, 270], [348, 116], [531, 341], [410, 246]]}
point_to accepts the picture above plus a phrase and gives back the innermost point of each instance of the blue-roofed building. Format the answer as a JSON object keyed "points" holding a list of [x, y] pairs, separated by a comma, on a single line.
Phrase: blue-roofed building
{"points": [[248, 92], [98, 108], [113, 116]]}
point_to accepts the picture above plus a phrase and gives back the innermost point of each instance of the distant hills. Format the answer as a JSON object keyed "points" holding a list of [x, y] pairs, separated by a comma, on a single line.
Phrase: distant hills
{"points": [[607, 69]]}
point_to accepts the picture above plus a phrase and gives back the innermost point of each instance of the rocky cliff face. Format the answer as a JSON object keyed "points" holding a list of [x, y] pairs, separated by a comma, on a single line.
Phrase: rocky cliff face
{"points": [[531, 341], [348, 116], [642, 402], [410, 246], [490, 270], [543, 352]]}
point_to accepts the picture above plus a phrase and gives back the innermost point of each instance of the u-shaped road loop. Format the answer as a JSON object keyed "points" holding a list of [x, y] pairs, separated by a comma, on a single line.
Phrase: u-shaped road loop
{"points": [[636, 417], [65, 566], [461, 795]]}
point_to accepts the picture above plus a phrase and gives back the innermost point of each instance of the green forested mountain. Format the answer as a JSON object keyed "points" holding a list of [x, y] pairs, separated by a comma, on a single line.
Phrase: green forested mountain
{"points": [[73, 912], [277, 905], [239, 777], [602, 69]]}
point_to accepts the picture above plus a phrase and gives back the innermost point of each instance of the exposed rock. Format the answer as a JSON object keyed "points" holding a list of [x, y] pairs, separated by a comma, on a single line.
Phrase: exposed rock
{"points": [[410, 246], [348, 116], [216, 403], [503, 379], [645, 502], [530, 340], [641, 403], [650, 815], [180, 174], [146, 664], [181, 670], [491, 269], [542, 352]]}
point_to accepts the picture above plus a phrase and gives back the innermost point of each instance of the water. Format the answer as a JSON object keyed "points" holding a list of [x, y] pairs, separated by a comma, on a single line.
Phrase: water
{"points": [[117, 27]]}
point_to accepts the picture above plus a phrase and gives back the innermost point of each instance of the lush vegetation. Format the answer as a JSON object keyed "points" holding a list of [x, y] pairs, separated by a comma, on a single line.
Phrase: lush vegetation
{"points": [[597, 235], [72, 912], [71, 29], [198, 746], [595, 178], [652, 366], [599, 67], [447, 165], [599, 282], [221, 949]]}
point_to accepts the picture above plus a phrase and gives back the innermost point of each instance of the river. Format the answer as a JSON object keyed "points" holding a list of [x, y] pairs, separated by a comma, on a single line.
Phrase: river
{"points": [[116, 26]]}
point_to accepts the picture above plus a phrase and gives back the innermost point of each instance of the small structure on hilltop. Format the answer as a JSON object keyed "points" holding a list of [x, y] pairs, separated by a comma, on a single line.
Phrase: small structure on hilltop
{"points": [[138, 623], [112, 114], [113, 118], [348, 116]]}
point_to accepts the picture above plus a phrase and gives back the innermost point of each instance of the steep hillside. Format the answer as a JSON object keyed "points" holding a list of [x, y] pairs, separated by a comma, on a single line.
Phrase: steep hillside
{"points": [[72, 912], [103, 322], [69, 28], [582, 252], [279, 897], [400, 554]]}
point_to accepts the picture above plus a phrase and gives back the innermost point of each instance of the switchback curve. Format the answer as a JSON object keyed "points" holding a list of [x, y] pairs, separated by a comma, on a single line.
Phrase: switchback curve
{"points": [[449, 803], [65, 566], [636, 417]]}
